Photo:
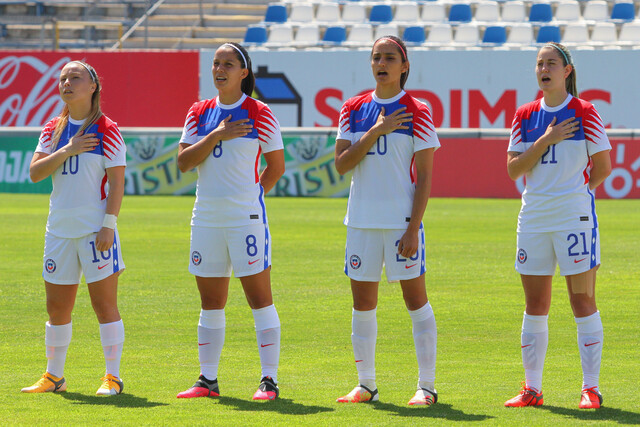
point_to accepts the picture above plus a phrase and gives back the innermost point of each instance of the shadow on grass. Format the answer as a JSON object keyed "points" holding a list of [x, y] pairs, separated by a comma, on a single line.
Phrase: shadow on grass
{"points": [[603, 414], [122, 400], [439, 410], [282, 406]]}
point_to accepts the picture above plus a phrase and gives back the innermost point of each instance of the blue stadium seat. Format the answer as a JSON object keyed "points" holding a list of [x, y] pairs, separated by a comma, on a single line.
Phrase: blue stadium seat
{"points": [[540, 12], [623, 12], [495, 35], [255, 35], [335, 35], [414, 36], [381, 14], [275, 14], [548, 33], [459, 13]]}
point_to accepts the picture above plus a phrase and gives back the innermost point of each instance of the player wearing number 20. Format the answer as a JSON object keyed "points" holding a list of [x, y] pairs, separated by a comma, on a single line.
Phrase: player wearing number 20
{"points": [[83, 151], [560, 145], [223, 138], [388, 139]]}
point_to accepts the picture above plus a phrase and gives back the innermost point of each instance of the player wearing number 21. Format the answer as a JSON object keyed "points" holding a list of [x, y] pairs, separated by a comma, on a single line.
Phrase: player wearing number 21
{"points": [[388, 139], [83, 151], [223, 138], [559, 144]]}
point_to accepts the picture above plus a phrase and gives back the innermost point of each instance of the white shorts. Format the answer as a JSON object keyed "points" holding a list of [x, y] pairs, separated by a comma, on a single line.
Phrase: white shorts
{"points": [[574, 251], [368, 250], [65, 260], [216, 250]]}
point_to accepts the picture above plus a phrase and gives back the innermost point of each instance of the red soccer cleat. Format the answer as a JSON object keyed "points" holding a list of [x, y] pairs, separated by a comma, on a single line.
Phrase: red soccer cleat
{"points": [[202, 388], [591, 398], [527, 397]]}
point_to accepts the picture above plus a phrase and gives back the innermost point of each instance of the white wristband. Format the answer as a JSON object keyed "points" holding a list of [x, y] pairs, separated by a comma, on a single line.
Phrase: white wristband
{"points": [[109, 221]]}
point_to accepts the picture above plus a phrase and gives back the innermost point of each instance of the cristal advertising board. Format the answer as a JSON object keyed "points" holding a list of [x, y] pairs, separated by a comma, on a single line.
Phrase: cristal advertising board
{"points": [[463, 166], [138, 88], [464, 89]]}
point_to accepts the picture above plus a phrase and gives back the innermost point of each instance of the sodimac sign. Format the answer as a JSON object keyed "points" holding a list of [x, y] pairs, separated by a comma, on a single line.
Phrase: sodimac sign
{"points": [[464, 89], [139, 89]]}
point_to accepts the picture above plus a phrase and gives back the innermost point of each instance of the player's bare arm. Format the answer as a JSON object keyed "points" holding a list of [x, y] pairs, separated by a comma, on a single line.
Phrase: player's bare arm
{"points": [[347, 156], [408, 245], [43, 164], [600, 170], [190, 156], [274, 170], [115, 177]]}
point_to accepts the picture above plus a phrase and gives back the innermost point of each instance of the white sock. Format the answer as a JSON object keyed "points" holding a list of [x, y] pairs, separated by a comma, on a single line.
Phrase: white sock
{"points": [[57, 339], [364, 332], [425, 338], [112, 338], [534, 342], [267, 325], [590, 339], [211, 329]]}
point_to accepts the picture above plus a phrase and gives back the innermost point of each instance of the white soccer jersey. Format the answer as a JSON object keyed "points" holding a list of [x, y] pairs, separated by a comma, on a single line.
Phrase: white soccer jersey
{"points": [[383, 183], [228, 193], [79, 198], [557, 195]]}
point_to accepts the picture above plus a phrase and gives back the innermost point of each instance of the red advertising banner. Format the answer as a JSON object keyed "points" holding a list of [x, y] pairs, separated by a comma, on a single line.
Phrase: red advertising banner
{"points": [[141, 89], [472, 167]]}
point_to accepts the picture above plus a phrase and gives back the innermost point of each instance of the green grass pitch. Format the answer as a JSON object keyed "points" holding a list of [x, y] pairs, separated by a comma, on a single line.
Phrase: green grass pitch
{"points": [[475, 292]]}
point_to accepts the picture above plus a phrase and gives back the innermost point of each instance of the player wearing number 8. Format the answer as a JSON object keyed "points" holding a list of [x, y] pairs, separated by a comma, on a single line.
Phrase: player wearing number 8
{"points": [[559, 144], [388, 139], [223, 138], [84, 153]]}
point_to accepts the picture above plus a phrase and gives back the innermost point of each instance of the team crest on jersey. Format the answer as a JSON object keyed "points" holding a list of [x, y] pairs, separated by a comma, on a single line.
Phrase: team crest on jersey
{"points": [[50, 265], [196, 258], [522, 256], [355, 262]]}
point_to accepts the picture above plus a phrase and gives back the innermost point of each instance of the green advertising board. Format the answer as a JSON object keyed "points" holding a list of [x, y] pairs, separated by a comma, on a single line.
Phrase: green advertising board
{"points": [[152, 166]]}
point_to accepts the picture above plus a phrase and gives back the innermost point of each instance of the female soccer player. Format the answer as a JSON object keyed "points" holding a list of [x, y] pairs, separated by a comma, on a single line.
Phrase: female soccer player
{"points": [[84, 153], [223, 137], [388, 139], [560, 145]]}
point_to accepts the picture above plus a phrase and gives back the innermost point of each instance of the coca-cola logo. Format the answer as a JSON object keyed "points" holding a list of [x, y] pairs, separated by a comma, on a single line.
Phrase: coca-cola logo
{"points": [[29, 90]]}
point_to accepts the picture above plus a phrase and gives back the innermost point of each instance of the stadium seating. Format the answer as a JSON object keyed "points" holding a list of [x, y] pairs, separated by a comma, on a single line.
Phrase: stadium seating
{"points": [[540, 13], [351, 24], [514, 11], [548, 33], [575, 34], [604, 33], [276, 14], [460, 13], [381, 14], [595, 11], [433, 12], [494, 36], [623, 12], [255, 36], [414, 36], [334, 36], [630, 34]]}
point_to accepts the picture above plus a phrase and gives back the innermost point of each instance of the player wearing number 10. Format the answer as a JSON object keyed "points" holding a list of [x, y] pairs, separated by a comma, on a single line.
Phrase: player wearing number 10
{"points": [[83, 151], [223, 138], [560, 145], [388, 138]]}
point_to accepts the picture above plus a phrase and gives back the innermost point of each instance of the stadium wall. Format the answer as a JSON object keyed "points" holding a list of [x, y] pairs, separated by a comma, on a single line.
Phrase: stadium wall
{"points": [[470, 163]]}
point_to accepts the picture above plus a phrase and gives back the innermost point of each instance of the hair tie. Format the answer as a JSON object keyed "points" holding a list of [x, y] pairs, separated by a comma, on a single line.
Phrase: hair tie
{"points": [[404, 54], [246, 64], [564, 55], [91, 73]]}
